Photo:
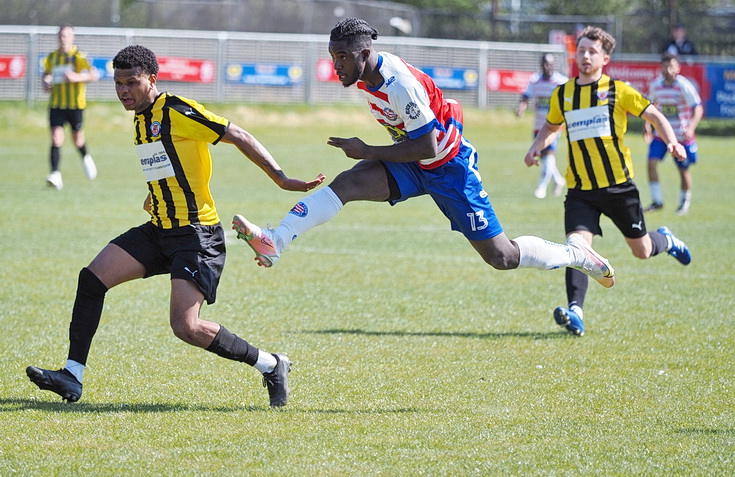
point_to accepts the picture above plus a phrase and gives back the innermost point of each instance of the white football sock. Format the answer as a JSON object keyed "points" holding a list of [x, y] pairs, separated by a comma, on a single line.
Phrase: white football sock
{"points": [[311, 211], [555, 174], [266, 362], [75, 368], [542, 254], [656, 194], [685, 196], [545, 175]]}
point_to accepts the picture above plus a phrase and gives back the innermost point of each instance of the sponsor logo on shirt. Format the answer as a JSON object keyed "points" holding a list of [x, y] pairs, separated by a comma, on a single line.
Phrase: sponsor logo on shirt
{"points": [[588, 123]]}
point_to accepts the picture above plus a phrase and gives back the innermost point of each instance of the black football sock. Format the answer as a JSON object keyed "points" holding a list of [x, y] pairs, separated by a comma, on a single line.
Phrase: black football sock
{"points": [[86, 314], [577, 283], [233, 347], [55, 157], [659, 243]]}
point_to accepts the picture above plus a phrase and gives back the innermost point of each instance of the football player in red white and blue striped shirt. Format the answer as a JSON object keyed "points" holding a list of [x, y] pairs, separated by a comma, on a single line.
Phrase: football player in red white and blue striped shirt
{"points": [[428, 156], [679, 101]]}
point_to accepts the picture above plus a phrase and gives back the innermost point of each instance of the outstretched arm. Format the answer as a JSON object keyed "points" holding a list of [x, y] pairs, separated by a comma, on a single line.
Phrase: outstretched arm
{"points": [[665, 131], [259, 155], [544, 138], [410, 150]]}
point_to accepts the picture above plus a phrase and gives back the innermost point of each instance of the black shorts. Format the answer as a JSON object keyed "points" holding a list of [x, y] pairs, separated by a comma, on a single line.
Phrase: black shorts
{"points": [[59, 117], [621, 203], [193, 252]]}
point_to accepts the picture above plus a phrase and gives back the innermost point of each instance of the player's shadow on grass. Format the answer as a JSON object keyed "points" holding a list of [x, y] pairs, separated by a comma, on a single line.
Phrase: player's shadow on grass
{"points": [[446, 334], [13, 405], [706, 431]]}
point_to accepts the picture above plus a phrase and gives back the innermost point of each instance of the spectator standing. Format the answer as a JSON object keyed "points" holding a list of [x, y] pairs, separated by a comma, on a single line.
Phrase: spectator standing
{"points": [[679, 44]]}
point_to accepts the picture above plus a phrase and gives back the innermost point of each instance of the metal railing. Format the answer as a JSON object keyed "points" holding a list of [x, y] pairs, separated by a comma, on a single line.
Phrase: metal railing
{"points": [[302, 51]]}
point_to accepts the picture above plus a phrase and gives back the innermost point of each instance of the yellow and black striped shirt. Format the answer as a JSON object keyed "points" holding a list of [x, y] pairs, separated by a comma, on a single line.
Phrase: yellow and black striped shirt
{"points": [[172, 139], [596, 122], [65, 95]]}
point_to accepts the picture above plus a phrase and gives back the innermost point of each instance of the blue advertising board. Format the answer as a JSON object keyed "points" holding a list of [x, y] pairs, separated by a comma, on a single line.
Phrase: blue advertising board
{"points": [[721, 103], [264, 74], [453, 78]]}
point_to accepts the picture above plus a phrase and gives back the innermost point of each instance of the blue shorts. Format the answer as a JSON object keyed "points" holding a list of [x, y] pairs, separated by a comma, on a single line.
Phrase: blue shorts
{"points": [[456, 188], [552, 146], [657, 152]]}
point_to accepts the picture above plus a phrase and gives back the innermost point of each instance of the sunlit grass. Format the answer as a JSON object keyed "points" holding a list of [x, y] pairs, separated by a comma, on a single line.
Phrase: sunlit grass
{"points": [[411, 357]]}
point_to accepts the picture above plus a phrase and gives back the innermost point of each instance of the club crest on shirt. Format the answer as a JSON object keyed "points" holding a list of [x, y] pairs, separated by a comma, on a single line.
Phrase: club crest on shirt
{"points": [[389, 114], [155, 129], [412, 110], [602, 95]]}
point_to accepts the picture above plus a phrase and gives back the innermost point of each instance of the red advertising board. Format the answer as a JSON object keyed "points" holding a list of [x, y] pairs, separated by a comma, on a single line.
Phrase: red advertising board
{"points": [[12, 67], [640, 74], [508, 81], [185, 69], [325, 70]]}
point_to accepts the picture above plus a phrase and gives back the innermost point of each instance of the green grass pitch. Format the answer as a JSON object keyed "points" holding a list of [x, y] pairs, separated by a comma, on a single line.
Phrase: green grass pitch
{"points": [[411, 356]]}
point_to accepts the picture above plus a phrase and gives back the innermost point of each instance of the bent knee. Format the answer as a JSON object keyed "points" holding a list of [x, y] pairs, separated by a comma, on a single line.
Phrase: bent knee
{"points": [[502, 261], [642, 254], [184, 332]]}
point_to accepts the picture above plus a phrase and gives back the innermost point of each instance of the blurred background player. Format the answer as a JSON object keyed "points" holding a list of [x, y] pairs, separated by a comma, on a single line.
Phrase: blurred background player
{"points": [[540, 87], [66, 72], [594, 108], [679, 101]]}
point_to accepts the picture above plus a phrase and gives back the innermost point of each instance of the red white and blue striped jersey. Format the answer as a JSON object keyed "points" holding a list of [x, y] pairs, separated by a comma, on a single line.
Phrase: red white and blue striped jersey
{"points": [[540, 89], [409, 104], [676, 102]]}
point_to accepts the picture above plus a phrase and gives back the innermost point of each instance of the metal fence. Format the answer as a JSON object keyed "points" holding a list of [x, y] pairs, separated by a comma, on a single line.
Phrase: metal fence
{"points": [[224, 48]]}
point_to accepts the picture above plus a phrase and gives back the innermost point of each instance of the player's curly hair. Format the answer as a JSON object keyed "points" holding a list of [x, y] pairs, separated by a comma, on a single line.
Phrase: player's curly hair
{"points": [[355, 32], [136, 56], [594, 34]]}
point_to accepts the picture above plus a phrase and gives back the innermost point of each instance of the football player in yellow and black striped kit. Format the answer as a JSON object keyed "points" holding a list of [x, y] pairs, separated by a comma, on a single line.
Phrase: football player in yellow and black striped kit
{"points": [[594, 109], [66, 72], [184, 237]]}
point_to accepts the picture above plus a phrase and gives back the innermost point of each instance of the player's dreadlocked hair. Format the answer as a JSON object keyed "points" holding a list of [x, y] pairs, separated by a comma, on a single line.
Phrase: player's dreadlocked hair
{"points": [[594, 34], [354, 31], [136, 56]]}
